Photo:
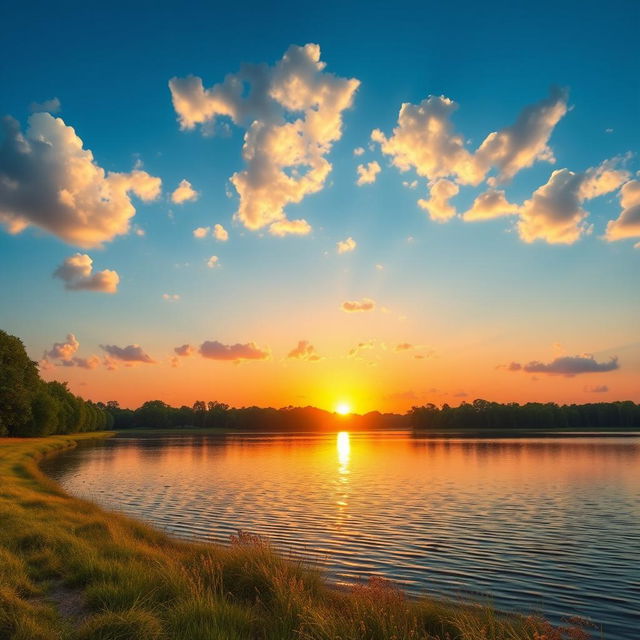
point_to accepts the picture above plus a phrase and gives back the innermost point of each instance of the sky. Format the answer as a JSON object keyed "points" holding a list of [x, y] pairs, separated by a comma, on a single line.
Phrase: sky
{"points": [[368, 204]]}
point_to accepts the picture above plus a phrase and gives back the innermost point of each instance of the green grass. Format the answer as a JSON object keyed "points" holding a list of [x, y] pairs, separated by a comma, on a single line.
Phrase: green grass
{"points": [[69, 570]]}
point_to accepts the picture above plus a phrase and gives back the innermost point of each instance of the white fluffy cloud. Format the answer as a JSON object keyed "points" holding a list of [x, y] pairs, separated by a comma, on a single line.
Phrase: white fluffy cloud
{"points": [[77, 274], [345, 246], [351, 306], [184, 193], [292, 115], [220, 233], [518, 146], [287, 227], [367, 173], [628, 223], [554, 212], [437, 205], [48, 180], [213, 261], [425, 140], [304, 351], [215, 350], [490, 204]]}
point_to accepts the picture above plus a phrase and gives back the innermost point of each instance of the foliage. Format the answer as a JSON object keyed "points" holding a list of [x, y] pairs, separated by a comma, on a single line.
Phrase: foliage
{"points": [[485, 415], [30, 406], [216, 415]]}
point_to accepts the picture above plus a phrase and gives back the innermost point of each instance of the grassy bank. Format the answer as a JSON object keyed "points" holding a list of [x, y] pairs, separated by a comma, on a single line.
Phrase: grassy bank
{"points": [[69, 570]]}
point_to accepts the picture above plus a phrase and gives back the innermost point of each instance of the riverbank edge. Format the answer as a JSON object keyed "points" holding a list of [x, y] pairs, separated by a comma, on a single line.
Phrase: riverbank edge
{"points": [[69, 569]]}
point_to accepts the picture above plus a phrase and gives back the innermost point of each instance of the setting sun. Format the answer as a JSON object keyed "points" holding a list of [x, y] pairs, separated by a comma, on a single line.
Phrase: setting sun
{"points": [[343, 408]]}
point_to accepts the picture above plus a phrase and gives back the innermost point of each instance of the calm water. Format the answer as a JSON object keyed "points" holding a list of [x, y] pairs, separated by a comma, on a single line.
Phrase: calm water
{"points": [[535, 525]]}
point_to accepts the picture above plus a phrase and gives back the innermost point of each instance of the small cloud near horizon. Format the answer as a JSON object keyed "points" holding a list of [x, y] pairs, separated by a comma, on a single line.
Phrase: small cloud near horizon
{"points": [[304, 351], [568, 366], [131, 354], [214, 350], [354, 306]]}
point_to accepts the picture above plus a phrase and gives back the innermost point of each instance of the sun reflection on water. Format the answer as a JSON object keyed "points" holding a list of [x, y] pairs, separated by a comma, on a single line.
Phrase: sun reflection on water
{"points": [[344, 455], [344, 451]]}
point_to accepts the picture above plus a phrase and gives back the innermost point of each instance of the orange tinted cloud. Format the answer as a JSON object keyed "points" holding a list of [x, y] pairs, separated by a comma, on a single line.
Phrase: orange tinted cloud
{"points": [[365, 304]]}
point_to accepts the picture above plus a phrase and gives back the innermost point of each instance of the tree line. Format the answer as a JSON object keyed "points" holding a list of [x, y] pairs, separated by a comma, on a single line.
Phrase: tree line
{"points": [[29, 406], [482, 414], [156, 414]]}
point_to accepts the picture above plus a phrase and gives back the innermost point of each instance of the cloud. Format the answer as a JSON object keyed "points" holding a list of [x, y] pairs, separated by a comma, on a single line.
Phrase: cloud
{"points": [[367, 173], [63, 354], [184, 193], [48, 180], [77, 274], [520, 145], [568, 366], [605, 178], [215, 350], [554, 212], [425, 140], [132, 353], [366, 304], [358, 151], [598, 388], [201, 232], [185, 350], [304, 351], [213, 261], [345, 246], [627, 224], [290, 227], [355, 351], [220, 233], [490, 204], [63, 350], [171, 297], [292, 113], [438, 206], [92, 362], [52, 106], [404, 346]]}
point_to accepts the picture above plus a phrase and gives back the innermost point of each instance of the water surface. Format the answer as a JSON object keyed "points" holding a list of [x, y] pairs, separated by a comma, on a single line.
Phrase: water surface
{"points": [[545, 525]]}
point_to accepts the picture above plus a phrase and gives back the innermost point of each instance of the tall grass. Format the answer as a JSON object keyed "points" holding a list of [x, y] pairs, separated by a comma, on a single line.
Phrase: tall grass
{"points": [[69, 570]]}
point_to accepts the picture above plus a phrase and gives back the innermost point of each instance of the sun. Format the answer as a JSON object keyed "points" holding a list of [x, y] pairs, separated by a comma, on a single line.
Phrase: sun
{"points": [[343, 408]]}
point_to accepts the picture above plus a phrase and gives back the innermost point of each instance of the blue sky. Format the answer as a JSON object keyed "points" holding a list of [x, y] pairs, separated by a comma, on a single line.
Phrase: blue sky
{"points": [[471, 295]]}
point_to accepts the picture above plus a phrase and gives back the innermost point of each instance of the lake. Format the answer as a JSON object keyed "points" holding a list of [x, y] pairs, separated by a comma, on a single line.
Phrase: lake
{"points": [[542, 525]]}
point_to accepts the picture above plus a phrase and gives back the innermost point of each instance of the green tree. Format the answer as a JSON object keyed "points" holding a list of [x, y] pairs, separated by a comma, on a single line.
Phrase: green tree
{"points": [[18, 384]]}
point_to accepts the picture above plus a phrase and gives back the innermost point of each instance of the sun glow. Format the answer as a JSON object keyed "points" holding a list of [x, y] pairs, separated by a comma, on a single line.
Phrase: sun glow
{"points": [[343, 409]]}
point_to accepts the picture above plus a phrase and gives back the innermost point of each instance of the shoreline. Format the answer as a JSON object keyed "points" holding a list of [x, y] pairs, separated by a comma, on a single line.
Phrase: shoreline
{"points": [[78, 571], [441, 433]]}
